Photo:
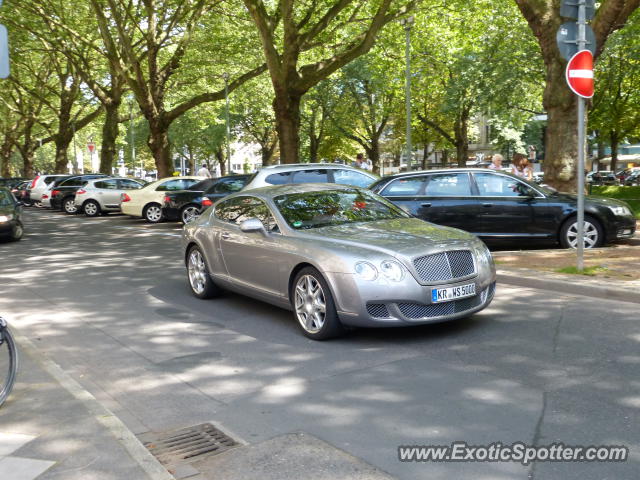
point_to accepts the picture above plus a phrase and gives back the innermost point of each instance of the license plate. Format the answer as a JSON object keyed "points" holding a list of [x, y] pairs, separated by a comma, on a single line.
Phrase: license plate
{"points": [[452, 293]]}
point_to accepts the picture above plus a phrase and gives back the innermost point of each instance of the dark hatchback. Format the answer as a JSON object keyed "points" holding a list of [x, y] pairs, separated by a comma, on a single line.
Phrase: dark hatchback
{"points": [[10, 216], [63, 192], [498, 205], [186, 205]]}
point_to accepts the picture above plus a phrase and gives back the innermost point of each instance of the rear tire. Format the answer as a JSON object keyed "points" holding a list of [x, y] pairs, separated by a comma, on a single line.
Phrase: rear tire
{"points": [[189, 213], [202, 286], [313, 305], [593, 233], [69, 206], [91, 208], [8, 357], [153, 213]]}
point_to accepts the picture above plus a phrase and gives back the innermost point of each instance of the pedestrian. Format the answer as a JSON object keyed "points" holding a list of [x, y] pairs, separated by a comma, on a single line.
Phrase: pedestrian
{"points": [[520, 166], [361, 162], [204, 171], [496, 162]]}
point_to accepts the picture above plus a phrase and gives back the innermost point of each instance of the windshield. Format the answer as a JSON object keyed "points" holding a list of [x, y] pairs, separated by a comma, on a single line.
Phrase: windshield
{"points": [[6, 199], [334, 207]]}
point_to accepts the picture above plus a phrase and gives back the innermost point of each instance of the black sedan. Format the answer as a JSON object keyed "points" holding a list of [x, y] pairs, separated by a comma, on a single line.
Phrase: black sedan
{"points": [[186, 205], [10, 216], [497, 205], [63, 193]]}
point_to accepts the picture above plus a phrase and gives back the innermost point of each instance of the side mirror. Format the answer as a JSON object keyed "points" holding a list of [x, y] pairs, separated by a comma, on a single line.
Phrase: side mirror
{"points": [[253, 225]]}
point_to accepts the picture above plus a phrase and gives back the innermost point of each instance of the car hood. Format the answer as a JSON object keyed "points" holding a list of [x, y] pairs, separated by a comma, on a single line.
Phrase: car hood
{"points": [[7, 209], [408, 237], [588, 199]]}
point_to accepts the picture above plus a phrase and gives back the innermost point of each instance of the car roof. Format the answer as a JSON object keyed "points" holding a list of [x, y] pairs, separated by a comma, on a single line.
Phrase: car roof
{"points": [[302, 166], [447, 170]]}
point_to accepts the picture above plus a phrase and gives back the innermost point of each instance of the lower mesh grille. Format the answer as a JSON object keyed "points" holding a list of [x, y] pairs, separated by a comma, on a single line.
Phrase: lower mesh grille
{"points": [[419, 310], [378, 310]]}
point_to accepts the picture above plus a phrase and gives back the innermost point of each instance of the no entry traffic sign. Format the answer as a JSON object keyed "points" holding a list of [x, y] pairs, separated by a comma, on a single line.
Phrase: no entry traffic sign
{"points": [[579, 74], [92, 147]]}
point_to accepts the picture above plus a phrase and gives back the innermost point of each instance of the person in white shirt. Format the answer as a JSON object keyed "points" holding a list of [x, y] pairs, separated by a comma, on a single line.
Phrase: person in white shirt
{"points": [[362, 163], [496, 162], [204, 171]]}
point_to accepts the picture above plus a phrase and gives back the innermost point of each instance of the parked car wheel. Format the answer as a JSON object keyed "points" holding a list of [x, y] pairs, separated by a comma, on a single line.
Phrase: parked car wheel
{"points": [[200, 281], [189, 214], [314, 307], [69, 206], [593, 233], [152, 213], [91, 208], [17, 233]]}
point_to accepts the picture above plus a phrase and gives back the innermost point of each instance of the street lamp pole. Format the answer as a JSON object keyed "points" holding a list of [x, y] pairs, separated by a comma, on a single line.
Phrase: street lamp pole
{"points": [[133, 139], [408, 23], [225, 75]]}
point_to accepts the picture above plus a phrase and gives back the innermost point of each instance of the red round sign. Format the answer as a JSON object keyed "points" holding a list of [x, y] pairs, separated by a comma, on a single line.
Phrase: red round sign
{"points": [[91, 146], [579, 74]]}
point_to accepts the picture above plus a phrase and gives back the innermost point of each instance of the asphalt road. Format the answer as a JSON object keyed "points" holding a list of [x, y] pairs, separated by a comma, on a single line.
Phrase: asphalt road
{"points": [[107, 299]]}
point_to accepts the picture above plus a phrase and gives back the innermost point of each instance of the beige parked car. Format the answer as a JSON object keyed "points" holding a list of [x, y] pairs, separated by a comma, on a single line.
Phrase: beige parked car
{"points": [[147, 202]]}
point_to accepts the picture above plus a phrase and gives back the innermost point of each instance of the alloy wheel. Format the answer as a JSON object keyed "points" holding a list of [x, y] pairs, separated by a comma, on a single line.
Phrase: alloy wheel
{"points": [[591, 235], [197, 271], [70, 206], [189, 214], [91, 209], [310, 304], [154, 213]]}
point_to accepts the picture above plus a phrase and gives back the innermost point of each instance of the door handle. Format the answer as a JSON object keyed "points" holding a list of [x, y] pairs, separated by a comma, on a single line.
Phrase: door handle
{"points": [[487, 205], [225, 235], [425, 205]]}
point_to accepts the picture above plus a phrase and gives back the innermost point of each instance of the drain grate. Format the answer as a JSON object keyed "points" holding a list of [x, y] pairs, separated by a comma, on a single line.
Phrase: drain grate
{"points": [[189, 444]]}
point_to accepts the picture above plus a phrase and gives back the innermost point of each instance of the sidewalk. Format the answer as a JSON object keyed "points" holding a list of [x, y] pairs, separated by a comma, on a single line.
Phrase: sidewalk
{"points": [[50, 431], [615, 270]]}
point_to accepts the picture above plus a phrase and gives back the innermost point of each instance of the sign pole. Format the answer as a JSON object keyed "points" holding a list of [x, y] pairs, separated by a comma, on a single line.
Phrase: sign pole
{"points": [[581, 137]]}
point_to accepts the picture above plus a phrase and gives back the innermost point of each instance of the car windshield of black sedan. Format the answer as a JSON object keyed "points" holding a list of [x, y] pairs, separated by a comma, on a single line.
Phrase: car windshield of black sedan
{"points": [[5, 198], [334, 207]]}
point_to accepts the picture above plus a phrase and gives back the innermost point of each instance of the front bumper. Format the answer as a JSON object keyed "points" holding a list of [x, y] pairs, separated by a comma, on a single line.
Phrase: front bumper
{"points": [[382, 303], [623, 227], [6, 228]]}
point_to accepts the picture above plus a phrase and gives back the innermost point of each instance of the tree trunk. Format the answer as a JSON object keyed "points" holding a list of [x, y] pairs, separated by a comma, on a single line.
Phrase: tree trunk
{"points": [[425, 156], [158, 142], [222, 161], [445, 158], [5, 159], [61, 164], [374, 155], [287, 110], [615, 141], [462, 138], [109, 137]]}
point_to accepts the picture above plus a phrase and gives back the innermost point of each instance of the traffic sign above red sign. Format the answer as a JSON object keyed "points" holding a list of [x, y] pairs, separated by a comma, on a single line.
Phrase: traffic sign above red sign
{"points": [[579, 74]]}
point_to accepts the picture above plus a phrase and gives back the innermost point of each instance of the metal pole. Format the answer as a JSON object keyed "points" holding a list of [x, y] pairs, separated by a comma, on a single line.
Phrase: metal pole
{"points": [[133, 140], [582, 41], [75, 153], [407, 28], [225, 75]]}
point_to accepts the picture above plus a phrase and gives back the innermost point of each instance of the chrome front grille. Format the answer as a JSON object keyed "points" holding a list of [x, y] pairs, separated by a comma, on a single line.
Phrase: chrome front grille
{"points": [[445, 266], [378, 310], [418, 310]]}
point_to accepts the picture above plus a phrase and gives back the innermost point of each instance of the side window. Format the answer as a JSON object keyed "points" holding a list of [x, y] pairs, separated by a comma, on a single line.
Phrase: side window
{"points": [[448, 185], [349, 177], [178, 184], [404, 187], [72, 182], [278, 178], [128, 185], [490, 185], [310, 176], [229, 185], [239, 209], [107, 184]]}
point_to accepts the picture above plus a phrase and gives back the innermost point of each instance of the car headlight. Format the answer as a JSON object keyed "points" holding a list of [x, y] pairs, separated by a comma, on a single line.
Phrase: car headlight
{"points": [[366, 271], [483, 255], [6, 218], [392, 270], [621, 210]]}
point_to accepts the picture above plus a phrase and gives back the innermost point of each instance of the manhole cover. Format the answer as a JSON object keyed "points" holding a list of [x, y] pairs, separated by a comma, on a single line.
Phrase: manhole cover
{"points": [[189, 444]]}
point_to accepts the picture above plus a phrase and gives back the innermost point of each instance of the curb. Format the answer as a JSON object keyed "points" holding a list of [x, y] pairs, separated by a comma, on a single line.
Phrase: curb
{"points": [[570, 284], [138, 452]]}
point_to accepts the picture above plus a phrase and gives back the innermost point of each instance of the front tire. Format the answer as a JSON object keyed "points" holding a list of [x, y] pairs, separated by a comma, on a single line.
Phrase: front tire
{"points": [[313, 305], [69, 206], [200, 281], [153, 213], [17, 233], [9, 353], [91, 208], [593, 233]]}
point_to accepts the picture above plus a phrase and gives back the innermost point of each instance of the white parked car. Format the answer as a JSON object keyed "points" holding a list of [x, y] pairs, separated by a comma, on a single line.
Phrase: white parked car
{"points": [[310, 173], [39, 185], [147, 202], [102, 195]]}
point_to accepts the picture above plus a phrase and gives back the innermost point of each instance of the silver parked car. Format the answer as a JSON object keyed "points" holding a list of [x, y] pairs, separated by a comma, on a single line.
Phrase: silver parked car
{"points": [[102, 195], [337, 255], [310, 173]]}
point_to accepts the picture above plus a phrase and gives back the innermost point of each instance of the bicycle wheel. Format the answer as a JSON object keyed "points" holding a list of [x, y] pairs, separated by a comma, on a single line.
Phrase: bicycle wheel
{"points": [[8, 361]]}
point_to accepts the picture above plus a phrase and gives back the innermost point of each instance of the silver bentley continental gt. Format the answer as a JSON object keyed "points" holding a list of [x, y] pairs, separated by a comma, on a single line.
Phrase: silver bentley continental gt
{"points": [[337, 256]]}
